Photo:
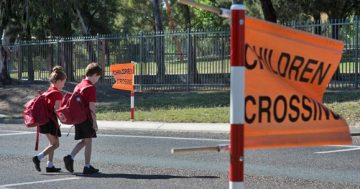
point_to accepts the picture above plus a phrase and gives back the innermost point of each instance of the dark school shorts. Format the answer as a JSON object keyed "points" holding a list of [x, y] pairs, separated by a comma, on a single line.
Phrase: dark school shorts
{"points": [[84, 130], [50, 128]]}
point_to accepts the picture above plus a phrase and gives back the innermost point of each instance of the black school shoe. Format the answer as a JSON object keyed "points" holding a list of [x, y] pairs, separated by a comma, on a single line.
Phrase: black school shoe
{"points": [[36, 161], [69, 163], [90, 170], [52, 169]]}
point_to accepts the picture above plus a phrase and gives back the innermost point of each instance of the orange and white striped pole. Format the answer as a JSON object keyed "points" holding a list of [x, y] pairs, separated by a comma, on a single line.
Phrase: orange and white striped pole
{"points": [[237, 95]]}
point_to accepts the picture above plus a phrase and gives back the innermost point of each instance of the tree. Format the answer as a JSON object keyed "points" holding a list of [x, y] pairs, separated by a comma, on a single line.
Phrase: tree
{"points": [[130, 21], [268, 10], [26, 20], [172, 26], [159, 41], [10, 17], [95, 16]]}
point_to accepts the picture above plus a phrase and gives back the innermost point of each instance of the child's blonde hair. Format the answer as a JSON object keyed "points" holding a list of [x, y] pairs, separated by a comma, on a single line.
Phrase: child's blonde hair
{"points": [[57, 74]]}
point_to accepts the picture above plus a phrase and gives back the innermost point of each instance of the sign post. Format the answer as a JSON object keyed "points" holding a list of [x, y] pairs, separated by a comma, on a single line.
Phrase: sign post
{"points": [[237, 95], [124, 80]]}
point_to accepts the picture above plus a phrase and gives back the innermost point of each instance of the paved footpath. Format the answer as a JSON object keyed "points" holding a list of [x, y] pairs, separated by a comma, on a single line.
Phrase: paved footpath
{"points": [[159, 126]]}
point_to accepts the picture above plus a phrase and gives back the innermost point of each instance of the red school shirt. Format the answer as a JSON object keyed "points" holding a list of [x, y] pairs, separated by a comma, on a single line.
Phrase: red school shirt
{"points": [[53, 97], [89, 94]]}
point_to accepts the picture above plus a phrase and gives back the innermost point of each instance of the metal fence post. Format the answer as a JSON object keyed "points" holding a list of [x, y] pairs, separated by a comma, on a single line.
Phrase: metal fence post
{"points": [[21, 61], [57, 51], [97, 48], [141, 60], [189, 58], [357, 53], [31, 75]]}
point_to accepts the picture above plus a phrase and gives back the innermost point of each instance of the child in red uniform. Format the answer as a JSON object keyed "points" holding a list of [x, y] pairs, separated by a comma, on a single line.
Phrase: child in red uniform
{"points": [[57, 80], [87, 130]]}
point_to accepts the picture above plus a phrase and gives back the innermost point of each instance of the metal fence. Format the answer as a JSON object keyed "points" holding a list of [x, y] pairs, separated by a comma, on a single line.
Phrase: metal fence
{"points": [[165, 61], [346, 30], [188, 60]]}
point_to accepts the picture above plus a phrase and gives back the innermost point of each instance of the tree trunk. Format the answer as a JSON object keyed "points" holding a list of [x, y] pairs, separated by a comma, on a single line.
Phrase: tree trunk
{"points": [[172, 26], [335, 35], [268, 10], [86, 31], [193, 73], [68, 58], [5, 59], [317, 27], [159, 41], [186, 14], [4, 75]]}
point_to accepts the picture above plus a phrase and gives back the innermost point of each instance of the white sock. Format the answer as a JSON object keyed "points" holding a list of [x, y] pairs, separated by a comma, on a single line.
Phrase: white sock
{"points": [[40, 156], [87, 165], [50, 164]]}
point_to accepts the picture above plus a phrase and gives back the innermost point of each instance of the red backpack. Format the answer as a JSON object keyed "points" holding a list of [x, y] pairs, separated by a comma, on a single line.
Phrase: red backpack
{"points": [[73, 109], [37, 113]]}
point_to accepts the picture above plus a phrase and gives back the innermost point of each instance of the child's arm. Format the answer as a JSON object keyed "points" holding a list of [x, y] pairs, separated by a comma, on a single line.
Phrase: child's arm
{"points": [[57, 104], [93, 114]]}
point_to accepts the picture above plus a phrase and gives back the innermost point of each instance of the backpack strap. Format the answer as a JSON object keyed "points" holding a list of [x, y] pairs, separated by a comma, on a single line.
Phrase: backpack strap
{"points": [[46, 94], [37, 138], [38, 133], [81, 91]]}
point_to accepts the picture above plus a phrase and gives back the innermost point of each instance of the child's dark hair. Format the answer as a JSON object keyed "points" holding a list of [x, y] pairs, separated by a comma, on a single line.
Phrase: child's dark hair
{"points": [[93, 68], [57, 74]]}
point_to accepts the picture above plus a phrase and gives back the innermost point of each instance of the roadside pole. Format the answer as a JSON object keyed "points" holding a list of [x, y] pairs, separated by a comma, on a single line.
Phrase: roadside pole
{"points": [[237, 95], [132, 94], [124, 75], [132, 105]]}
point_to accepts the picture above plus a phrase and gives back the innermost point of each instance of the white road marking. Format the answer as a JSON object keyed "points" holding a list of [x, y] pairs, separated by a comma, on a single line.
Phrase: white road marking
{"points": [[126, 136], [16, 133], [37, 182], [12, 131], [349, 148]]}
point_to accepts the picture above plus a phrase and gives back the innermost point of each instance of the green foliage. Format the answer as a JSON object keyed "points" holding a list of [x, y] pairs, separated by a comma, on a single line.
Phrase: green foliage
{"points": [[50, 18], [60, 17], [253, 8], [135, 16], [303, 10]]}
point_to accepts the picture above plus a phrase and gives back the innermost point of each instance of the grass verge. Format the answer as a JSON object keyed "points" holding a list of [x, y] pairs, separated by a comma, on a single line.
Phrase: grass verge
{"points": [[205, 107]]}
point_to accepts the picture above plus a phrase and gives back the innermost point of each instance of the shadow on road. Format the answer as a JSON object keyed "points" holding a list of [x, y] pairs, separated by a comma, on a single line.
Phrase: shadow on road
{"points": [[142, 176]]}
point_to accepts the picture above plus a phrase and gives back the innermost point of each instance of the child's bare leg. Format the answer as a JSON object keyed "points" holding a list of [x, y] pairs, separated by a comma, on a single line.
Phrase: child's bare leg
{"points": [[77, 148], [88, 146]]}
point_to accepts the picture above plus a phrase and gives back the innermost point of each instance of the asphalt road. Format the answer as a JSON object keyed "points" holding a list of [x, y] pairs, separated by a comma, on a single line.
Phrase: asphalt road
{"points": [[142, 159]]}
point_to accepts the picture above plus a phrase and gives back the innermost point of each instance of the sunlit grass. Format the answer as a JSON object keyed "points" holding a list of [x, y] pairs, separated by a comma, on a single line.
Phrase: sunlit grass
{"points": [[207, 107]]}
